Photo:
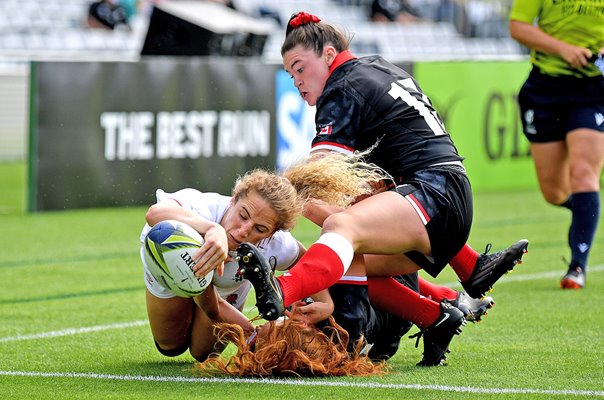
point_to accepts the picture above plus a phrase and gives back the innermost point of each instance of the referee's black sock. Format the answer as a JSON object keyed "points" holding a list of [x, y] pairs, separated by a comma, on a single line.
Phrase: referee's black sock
{"points": [[586, 213]]}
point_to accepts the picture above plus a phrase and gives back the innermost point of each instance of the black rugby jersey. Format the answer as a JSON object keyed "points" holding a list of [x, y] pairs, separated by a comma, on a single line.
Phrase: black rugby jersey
{"points": [[369, 100]]}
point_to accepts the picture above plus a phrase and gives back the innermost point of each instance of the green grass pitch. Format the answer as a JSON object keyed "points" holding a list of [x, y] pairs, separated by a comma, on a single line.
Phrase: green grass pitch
{"points": [[73, 320]]}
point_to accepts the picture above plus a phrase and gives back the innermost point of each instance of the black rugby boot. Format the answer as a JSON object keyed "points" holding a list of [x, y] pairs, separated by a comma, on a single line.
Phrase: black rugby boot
{"points": [[254, 267], [490, 267], [438, 336]]}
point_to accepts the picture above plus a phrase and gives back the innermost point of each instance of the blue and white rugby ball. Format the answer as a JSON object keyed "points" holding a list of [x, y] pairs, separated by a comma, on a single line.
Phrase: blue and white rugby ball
{"points": [[169, 249]]}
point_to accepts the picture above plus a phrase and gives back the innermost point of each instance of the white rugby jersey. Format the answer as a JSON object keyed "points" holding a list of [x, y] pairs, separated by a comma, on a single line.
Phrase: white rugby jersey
{"points": [[281, 249]]}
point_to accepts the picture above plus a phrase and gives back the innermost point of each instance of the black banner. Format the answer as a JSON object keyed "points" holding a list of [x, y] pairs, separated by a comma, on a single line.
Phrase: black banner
{"points": [[109, 134]]}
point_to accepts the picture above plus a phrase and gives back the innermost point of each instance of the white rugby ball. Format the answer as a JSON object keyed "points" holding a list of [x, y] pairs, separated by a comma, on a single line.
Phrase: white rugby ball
{"points": [[169, 249]]}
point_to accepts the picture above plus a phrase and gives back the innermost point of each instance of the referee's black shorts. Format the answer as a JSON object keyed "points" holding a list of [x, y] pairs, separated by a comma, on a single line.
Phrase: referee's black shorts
{"points": [[442, 197], [552, 106]]}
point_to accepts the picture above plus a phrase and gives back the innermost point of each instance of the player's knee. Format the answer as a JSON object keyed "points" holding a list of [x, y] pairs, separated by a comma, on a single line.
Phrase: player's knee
{"points": [[199, 355], [202, 346], [554, 196], [171, 351], [584, 178]]}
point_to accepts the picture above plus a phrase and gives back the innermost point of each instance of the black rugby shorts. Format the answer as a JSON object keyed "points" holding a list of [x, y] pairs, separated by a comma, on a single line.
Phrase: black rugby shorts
{"points": [[550, 106], [442, 197]]}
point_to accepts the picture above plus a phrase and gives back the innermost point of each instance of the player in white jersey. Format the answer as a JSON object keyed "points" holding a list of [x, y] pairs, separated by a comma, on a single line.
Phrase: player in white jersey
{"points": [[179, 324], [262, 209], [281, 247]]}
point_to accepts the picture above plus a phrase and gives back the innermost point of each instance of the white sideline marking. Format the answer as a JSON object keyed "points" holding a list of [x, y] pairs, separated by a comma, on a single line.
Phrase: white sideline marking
{"points": [[72, 331], [368, 385], [532, 277], [307, 382]]}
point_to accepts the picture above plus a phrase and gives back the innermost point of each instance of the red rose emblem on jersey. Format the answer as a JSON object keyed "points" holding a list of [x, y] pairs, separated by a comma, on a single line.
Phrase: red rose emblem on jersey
{"points": [[232, 298]]}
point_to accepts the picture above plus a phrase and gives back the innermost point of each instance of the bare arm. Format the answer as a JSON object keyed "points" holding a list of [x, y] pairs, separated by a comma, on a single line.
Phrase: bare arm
{"points": [[314, 312], [317, 211], [169, 209], [534, 38], [219, 310], [213, 252], [322, 305]]}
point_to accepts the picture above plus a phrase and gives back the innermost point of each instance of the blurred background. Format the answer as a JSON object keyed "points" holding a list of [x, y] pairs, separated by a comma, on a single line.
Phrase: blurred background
{"points": [[102, 86], [66, 30]]}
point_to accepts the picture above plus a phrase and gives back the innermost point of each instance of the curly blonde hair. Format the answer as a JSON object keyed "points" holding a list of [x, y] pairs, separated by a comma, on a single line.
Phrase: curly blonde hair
{"points": [[290, 349], [276, 191], [334, 178]]}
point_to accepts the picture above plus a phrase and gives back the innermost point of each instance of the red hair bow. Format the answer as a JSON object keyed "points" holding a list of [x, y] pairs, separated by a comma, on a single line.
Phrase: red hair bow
{"points": [[303, 18]]}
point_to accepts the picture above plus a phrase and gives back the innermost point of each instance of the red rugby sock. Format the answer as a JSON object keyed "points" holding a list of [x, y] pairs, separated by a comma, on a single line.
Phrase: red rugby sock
{"points": [[464, 262], [389, 295], [321, 266], [437, 293]]}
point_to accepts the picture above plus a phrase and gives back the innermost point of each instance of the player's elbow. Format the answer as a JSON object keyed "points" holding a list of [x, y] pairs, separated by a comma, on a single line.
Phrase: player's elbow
{"points": [[516, 29], [154, 214]]}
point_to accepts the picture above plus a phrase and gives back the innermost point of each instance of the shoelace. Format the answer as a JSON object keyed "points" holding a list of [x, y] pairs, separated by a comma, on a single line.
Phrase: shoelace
{"points": [[272, 261], [487, 248], [571, 267], [417, 336]]}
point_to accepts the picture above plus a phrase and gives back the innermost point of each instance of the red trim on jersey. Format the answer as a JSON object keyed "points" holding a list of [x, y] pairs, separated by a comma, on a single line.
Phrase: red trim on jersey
{"points": [[419, 206], [178, 202], [340, 59], [353, 280], [317, 146]]}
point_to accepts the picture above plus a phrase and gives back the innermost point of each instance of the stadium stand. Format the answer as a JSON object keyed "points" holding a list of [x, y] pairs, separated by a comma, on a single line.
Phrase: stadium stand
{"points": [[43, 30], [58, 31], [466, 29], [35, 29]]}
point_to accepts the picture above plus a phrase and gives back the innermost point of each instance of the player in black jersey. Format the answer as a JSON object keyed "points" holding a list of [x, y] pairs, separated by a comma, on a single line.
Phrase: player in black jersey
{"points": [[421, 220]]}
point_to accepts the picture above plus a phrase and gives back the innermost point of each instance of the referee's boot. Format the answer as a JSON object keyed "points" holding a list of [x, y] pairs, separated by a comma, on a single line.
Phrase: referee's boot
{"points": [[438, 336], [254, 267], [490, 267], [574, 278]]}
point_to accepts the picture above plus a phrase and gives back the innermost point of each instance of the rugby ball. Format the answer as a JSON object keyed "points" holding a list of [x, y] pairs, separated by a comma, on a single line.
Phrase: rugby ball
{"points": [[169, 249]]}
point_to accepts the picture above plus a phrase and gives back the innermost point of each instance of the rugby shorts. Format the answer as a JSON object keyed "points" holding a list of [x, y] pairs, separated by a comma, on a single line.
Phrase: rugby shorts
{"points": [[552, 106], [442, 197]]}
